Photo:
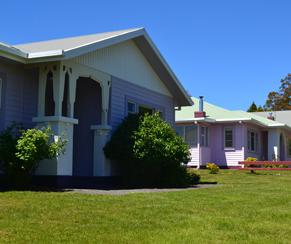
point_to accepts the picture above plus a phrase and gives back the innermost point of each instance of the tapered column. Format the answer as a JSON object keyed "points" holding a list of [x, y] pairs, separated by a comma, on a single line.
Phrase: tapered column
{"points": [[102, 165], [59, 83]]}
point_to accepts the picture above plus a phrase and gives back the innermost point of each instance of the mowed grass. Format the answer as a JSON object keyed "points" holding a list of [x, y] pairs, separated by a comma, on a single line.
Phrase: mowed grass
{"points": [[244, 208]]}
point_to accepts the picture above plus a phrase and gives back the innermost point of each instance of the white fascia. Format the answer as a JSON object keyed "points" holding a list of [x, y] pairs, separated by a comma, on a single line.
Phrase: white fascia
{"points": [[46, 54]]}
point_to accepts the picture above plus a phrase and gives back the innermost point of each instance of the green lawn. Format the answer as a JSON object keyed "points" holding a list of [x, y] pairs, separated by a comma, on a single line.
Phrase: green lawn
{"points": [[244, 208]]}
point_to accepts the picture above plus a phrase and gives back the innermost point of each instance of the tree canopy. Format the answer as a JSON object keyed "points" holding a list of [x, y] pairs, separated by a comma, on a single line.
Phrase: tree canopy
{"points": [[276, 100]]}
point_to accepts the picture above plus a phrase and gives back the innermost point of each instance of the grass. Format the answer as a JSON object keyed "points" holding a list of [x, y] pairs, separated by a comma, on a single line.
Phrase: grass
{"points": [[245, 208]]}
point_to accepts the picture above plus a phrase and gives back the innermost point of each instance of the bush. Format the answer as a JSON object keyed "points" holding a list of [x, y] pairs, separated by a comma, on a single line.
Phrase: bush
{"points": [[251, 159], [149, 152], [193, 176], [21, 150], [213, 168]]}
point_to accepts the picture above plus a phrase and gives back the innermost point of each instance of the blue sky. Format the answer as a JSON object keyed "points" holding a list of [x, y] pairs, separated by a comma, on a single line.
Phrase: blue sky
{"points": [[232, 52]]}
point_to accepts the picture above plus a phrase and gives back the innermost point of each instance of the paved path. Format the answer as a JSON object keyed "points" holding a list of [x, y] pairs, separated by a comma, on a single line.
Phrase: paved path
{"points": [[146, 190]]}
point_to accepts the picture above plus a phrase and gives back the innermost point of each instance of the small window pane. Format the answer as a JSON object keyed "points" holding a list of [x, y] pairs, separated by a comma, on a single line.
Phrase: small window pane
{"points": [[131, 107], [228, 137], [191, 135], [204, 136]]}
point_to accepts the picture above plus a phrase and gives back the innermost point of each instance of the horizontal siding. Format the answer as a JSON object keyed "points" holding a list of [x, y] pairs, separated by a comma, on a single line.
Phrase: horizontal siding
{"points": [[194, 152], [219, 154], [121, 90], [125, 60], [20, 95]]}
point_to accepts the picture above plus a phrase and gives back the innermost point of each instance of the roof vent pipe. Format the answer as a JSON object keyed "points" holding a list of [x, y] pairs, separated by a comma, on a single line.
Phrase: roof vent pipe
{"points": [[201, 105]]}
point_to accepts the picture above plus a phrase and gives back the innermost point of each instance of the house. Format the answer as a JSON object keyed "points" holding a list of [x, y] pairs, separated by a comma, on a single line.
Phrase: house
{"points": [[226, 137], [83, 87], [280, 116]]}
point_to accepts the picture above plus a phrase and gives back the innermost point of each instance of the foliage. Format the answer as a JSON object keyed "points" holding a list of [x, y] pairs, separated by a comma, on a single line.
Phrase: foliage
{"points": [[193, 176], [280, 100], [149, 152], [213, 168], [251, 159], [21, 150], [253, 108]]}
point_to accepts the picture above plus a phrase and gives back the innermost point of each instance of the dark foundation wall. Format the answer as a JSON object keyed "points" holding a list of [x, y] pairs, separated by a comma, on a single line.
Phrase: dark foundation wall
{"points": [[19, 94]]}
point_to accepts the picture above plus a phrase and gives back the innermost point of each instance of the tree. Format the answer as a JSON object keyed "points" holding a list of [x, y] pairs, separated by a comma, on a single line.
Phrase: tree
{"points": [[253, 108], [280, 100]]}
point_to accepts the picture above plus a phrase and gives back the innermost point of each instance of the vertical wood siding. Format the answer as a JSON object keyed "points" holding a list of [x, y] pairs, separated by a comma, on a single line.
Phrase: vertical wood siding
{"points": [[125, 61], [121, 90]]}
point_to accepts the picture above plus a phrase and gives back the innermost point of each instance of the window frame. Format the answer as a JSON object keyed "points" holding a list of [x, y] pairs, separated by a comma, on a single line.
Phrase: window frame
{"points": [[232, 139], [195, 144], [135, 107], [253, 146], [205, 135]]}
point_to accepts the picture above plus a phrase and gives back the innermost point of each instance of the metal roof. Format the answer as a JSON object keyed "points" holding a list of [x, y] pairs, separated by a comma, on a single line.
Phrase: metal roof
{"points": [[62, 49], [66, 44], [216, 114], [280, 116]]}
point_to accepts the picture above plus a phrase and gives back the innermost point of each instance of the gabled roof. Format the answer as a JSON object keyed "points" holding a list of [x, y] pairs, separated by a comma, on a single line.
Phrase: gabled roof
{"points": [[216, 114], [62, 49]]}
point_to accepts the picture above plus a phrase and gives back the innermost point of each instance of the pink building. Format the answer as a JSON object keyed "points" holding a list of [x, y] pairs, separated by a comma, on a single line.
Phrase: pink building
{"points": [[225, 137]]}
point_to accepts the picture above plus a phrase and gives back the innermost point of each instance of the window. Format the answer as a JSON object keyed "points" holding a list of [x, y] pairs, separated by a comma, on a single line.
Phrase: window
{"points": [[145, 110], [1, 85], [191, 135], [253, 141], [188, 133], [289, 147], [204, 136], [131, 107], [228, 137]]}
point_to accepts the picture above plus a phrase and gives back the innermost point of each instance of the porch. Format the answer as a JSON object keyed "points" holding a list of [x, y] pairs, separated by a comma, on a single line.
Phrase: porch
{"points": [[73, 100]]}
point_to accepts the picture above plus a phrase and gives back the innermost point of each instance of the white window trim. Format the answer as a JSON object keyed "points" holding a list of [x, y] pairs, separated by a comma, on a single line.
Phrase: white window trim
{"points": [[225, 147], [136, 107], [1, 90], [256, 141], [205, 135]]}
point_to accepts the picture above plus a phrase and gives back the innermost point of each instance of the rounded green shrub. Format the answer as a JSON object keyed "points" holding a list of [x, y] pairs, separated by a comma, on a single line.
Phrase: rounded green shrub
{"points": [[149, 152], [21, 150]]}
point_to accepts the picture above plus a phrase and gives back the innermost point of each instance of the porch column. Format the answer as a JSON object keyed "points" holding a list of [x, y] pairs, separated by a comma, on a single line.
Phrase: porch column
{"points": [[102, 166], [72, 94], [61, 126], [42, 77], [58, 84], [273, 144]]}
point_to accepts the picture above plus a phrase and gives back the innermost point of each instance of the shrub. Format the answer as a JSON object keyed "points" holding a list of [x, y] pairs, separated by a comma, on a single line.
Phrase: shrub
{"points": [[251, 159], [21, 150], [213, 168], [193, 176], [149, 152]]}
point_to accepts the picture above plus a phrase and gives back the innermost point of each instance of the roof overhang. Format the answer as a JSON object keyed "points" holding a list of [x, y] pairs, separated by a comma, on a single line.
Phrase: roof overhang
{"points": [[140, 38]]}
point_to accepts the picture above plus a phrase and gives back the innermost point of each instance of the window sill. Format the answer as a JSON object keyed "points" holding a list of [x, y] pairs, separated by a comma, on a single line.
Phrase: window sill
{"points": [[229, 149]]}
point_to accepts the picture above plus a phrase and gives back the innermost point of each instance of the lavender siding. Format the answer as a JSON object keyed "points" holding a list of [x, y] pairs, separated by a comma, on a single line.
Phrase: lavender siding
{"points": [[122, 90], [20, 95], [219, 154]]}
